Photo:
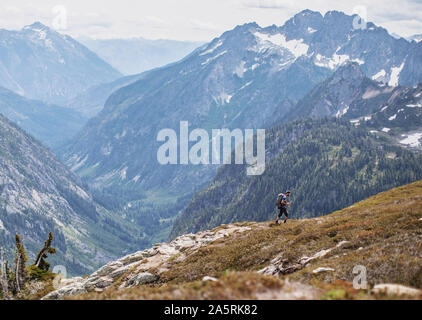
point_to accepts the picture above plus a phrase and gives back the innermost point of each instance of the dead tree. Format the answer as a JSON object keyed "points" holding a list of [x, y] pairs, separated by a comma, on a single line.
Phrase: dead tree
{"points": [[21, 274]]}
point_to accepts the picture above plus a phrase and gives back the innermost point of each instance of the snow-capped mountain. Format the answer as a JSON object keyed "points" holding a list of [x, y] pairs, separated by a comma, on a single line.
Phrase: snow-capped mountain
{"points": [[42, 64], [416, 38], [400, 118], [249, 77], [395, 112], [331, 40]]}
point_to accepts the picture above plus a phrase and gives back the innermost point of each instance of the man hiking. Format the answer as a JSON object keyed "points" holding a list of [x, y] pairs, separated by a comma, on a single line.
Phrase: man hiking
{"points": [[282, 204]]}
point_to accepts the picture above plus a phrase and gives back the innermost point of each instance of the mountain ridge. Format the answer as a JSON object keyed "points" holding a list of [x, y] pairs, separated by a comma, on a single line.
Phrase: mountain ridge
{"points": [[249, 77], [40, 195], [303, 259], [287, 73], [137, 55], [330, 164], [51, 124], [66, 68]]}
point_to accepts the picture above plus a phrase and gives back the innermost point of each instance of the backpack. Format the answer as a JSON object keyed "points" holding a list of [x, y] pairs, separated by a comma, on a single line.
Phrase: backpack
{"points": [[279, 199]]}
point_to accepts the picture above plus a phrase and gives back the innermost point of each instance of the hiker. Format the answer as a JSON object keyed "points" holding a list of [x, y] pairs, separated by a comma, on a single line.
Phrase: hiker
{"points": [[282, 204]]}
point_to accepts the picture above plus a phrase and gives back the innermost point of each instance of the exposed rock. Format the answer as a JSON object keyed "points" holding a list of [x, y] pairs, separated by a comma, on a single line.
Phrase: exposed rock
{"points": [[290, 291], [208, 278], [141, 278], [134, 269], [396, 290], [280, 266], [70, 290], [108, 268], [322, 269], [102, 282]]}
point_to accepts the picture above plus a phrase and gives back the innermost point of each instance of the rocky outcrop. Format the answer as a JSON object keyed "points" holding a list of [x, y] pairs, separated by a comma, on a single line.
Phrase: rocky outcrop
{"points": [[391, 289], [282, 266], [142, 267]]}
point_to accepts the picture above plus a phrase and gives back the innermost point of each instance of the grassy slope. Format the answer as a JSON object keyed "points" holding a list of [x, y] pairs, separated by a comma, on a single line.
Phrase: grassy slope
{"points": [[348, 164], [384, 234]]}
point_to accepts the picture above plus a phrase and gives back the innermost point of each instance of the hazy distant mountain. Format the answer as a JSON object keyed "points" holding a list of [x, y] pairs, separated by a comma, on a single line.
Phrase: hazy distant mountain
{"points": [[247, 78], [416, 37], [136, 55], [91, 101], [39, 194], [51, 124], [42, 64]]}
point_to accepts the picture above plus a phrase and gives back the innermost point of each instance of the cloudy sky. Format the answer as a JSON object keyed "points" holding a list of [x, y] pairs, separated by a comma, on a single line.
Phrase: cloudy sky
{"points": [[199, 20]]}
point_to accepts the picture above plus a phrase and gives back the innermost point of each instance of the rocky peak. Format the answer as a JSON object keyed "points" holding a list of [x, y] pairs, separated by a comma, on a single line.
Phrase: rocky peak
{"points": [[350, 72], [36, 26]]}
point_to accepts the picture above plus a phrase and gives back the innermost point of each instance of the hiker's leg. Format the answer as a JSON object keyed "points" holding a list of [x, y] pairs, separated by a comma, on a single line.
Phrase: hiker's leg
{"points": [[279, 215], [286, 215]]}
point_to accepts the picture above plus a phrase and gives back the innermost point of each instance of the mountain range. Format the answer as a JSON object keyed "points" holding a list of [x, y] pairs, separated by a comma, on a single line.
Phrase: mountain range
{"points": [[40, 63], [338, 103], [247, 78], [90, 101], [391, 115], [52, 125], [395, 112], [136, 55]]}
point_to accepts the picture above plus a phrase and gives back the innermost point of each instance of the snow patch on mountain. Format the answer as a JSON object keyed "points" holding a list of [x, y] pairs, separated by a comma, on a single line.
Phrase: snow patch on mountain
{"points": [[379, 76], [240, 69], [123, 173], [212, 49], [334, 62], [213, 58], [246, 85], [395, 74], [413, 140], [79, 163], [418, 105], [341, 113], [296, 47]]}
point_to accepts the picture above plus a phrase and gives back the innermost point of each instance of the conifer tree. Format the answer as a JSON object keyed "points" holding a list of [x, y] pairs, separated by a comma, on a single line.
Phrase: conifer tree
{"points": [[40, 262]]}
